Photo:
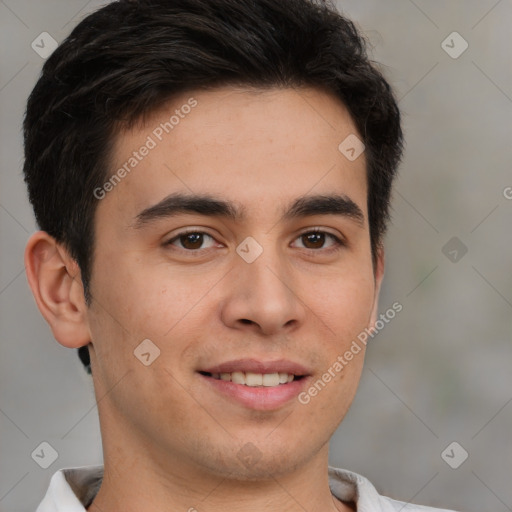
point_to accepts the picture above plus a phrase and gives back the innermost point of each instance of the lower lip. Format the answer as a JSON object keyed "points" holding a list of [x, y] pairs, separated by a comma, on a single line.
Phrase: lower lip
{"points": [[261, 398]]}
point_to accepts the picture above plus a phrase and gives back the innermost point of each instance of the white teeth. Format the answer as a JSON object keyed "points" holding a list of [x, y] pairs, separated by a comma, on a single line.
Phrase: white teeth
{"points": [[271, 379], [283, 378], [238, 378], [255, 379]]}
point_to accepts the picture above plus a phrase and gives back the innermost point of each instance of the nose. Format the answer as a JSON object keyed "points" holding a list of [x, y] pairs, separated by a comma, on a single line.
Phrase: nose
{"points": [[262, 296]]}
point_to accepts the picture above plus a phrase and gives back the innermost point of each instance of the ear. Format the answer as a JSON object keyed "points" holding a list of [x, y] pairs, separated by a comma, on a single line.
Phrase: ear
{"points": [[378, 276], [55, 280]]}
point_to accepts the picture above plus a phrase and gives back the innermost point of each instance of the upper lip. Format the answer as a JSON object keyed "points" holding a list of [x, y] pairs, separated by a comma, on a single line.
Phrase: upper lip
{"points": [[255, 366]]}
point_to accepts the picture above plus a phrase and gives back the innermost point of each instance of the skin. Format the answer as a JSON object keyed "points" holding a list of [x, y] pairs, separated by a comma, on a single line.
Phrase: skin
{"points": [[170, 441]]}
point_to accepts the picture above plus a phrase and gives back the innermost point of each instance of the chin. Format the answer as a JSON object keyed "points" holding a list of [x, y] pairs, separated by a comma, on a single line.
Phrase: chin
{"points": [[258, 461]]}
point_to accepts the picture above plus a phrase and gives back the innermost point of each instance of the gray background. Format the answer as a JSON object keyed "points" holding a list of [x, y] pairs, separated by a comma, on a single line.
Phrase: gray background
{"points": [[437, 373]]}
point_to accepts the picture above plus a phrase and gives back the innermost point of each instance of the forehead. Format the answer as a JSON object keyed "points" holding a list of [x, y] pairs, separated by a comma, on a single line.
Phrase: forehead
{"points": [[251, 146]]}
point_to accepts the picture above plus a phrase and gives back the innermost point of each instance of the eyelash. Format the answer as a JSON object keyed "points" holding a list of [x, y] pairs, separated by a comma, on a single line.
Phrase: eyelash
{"points": [[338, 242]]}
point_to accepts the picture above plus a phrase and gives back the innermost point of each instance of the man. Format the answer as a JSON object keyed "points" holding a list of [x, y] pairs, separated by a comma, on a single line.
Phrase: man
{"points": [[212, 180]]}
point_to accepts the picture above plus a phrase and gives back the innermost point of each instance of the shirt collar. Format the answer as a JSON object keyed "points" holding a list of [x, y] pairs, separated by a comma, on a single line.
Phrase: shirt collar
{"points": [[74, 489]]}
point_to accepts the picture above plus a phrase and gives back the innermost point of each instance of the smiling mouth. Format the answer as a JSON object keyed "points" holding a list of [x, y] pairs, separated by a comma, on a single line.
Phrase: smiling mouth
{"points": [[251, 379]]}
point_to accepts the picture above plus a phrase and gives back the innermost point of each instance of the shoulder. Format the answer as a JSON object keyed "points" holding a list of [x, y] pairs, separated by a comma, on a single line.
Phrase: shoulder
{"points": [[72, 489]]}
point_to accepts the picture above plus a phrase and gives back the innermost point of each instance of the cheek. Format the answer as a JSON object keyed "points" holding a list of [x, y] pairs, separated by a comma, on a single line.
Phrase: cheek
{"points": [[344, 303], [121, 317], [139, 298], [151, 303]]}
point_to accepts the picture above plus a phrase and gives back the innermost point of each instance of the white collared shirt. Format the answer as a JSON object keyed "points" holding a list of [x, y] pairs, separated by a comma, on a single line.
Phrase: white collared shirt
{"points": [[73, 490]]}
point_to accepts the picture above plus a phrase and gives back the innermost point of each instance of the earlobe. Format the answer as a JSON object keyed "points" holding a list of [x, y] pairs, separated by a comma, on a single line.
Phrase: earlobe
{"points": [[54, 278]]}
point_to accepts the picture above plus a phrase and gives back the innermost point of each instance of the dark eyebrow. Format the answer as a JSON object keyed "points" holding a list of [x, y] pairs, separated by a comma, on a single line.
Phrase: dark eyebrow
{"points": [[332, 204], [175, 204]]}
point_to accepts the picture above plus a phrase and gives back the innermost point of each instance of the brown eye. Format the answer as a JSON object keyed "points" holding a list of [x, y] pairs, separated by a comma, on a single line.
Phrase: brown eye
{"points": [[313, 240], [316, 239], [191, 240]]}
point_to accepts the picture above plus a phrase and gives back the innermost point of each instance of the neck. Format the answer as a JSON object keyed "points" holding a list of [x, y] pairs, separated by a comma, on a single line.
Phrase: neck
{"points": [[149, 485]]}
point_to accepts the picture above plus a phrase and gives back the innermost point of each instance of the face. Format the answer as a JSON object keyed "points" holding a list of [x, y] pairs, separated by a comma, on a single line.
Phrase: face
{"points": [[236, 244]]}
